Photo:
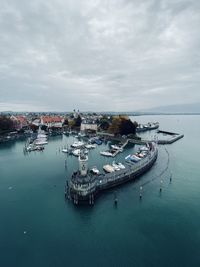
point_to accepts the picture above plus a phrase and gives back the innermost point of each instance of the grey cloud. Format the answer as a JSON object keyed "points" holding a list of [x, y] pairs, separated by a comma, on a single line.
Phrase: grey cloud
{"points": [[100, 55]]}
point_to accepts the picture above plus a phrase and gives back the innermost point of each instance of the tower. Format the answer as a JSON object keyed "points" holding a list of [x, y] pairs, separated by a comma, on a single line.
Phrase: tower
{"points": [[83, 164]]}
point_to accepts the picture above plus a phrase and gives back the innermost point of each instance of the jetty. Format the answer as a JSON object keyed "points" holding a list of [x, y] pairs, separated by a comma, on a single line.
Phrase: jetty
{"points": [[117, 151], [173, 137], [85, 186]]}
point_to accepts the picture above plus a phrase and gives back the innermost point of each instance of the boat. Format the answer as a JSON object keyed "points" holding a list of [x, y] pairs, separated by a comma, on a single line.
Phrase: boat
{"points": [[135, 158], [39, 148], [115, 147], [77, 152], [64, 150], [115, 166], [98, 141], [121, 166], [40, 142], [95, 170], [81, 135], [89, 146], [147, 127], [108, 168], [106, 153], [77, 144], [127, 157]]}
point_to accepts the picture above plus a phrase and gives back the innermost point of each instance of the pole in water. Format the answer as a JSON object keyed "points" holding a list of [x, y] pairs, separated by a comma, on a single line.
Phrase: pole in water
{"points": [[141, 192], [115, 198], [170, 179], [161, 182]]}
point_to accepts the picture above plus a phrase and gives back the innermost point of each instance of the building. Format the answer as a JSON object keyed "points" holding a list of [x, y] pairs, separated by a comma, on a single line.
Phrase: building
{"points": [[19, 122], [52, 121], [89, 125]]}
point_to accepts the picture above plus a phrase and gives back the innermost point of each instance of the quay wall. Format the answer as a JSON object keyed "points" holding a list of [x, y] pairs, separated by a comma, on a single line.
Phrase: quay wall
{"points": [[113, 180]]}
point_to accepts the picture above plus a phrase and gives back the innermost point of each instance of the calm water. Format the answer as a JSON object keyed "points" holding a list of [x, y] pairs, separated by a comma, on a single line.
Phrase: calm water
{"points": [[39, 228]]}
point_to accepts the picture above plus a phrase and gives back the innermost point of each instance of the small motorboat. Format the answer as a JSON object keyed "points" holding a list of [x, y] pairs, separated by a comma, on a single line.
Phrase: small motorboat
{"points": [[106, 153], [120, 165], [116, 148], [116, 167], [95, 170], [89, 146], [108, 168]]}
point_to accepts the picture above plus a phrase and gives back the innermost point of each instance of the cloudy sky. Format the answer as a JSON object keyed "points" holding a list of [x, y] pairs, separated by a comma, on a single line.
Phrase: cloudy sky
{"points": [[119, 55]]}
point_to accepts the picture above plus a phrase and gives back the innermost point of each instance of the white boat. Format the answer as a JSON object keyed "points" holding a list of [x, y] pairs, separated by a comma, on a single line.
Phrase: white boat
{"points": [[77, 152], [81, 135], [77, 144], [108, 168], [121, 166], [89, 146], [116, 167], [64, 150], [40, 142], [116, 147], [40, 135], [95, 170], [135, 158], [30, 148], [128, 157], [106, 153]]}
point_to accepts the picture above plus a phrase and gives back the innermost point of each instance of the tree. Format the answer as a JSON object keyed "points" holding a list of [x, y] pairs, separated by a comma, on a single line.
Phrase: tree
{"points": [[78, 121], [44, 127], [6, 124], [114, 128], [66, 122], [127, 127], [104, 125], [34, 128], [122, 125]]}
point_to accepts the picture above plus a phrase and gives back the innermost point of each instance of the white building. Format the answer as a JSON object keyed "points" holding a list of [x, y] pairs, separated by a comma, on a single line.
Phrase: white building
{"points": [[88, 126]]}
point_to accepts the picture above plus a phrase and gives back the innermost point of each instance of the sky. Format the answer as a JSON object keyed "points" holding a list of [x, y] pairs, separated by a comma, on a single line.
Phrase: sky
{"points": [[99, 55]]}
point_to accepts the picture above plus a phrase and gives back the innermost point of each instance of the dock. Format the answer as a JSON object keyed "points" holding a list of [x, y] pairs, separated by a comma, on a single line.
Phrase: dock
{"points": [[138, 141], [122, 147]]}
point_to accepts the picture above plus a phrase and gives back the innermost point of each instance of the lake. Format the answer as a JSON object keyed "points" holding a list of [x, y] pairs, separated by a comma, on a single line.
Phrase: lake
{"points": [[38, 227]]}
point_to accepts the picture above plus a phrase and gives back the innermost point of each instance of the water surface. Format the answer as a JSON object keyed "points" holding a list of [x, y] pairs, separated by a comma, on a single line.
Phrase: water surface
{"points": [[39, 228]]}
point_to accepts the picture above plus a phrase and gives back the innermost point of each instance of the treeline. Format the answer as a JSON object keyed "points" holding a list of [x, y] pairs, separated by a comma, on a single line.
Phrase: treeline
{"points": [[118, 125], [6, 124]]}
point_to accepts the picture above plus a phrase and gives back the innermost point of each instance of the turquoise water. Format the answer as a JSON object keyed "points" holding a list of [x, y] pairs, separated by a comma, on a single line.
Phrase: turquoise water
{"points": [[39, 228]]}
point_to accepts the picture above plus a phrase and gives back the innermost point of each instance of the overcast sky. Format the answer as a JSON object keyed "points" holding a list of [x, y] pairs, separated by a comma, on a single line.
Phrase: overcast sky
{"points": [[120, 55]]}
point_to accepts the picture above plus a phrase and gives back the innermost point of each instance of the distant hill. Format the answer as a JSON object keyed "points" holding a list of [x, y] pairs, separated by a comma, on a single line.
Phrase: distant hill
{"points": [[181, 108]]}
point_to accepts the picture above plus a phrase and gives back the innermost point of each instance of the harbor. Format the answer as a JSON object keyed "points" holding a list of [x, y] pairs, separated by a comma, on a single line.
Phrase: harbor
{"points": [[84, 186]]}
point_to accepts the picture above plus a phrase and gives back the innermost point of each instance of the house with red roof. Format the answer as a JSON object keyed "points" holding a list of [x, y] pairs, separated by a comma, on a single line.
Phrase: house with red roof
{"points": [[19, 122], [52, 121]]}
